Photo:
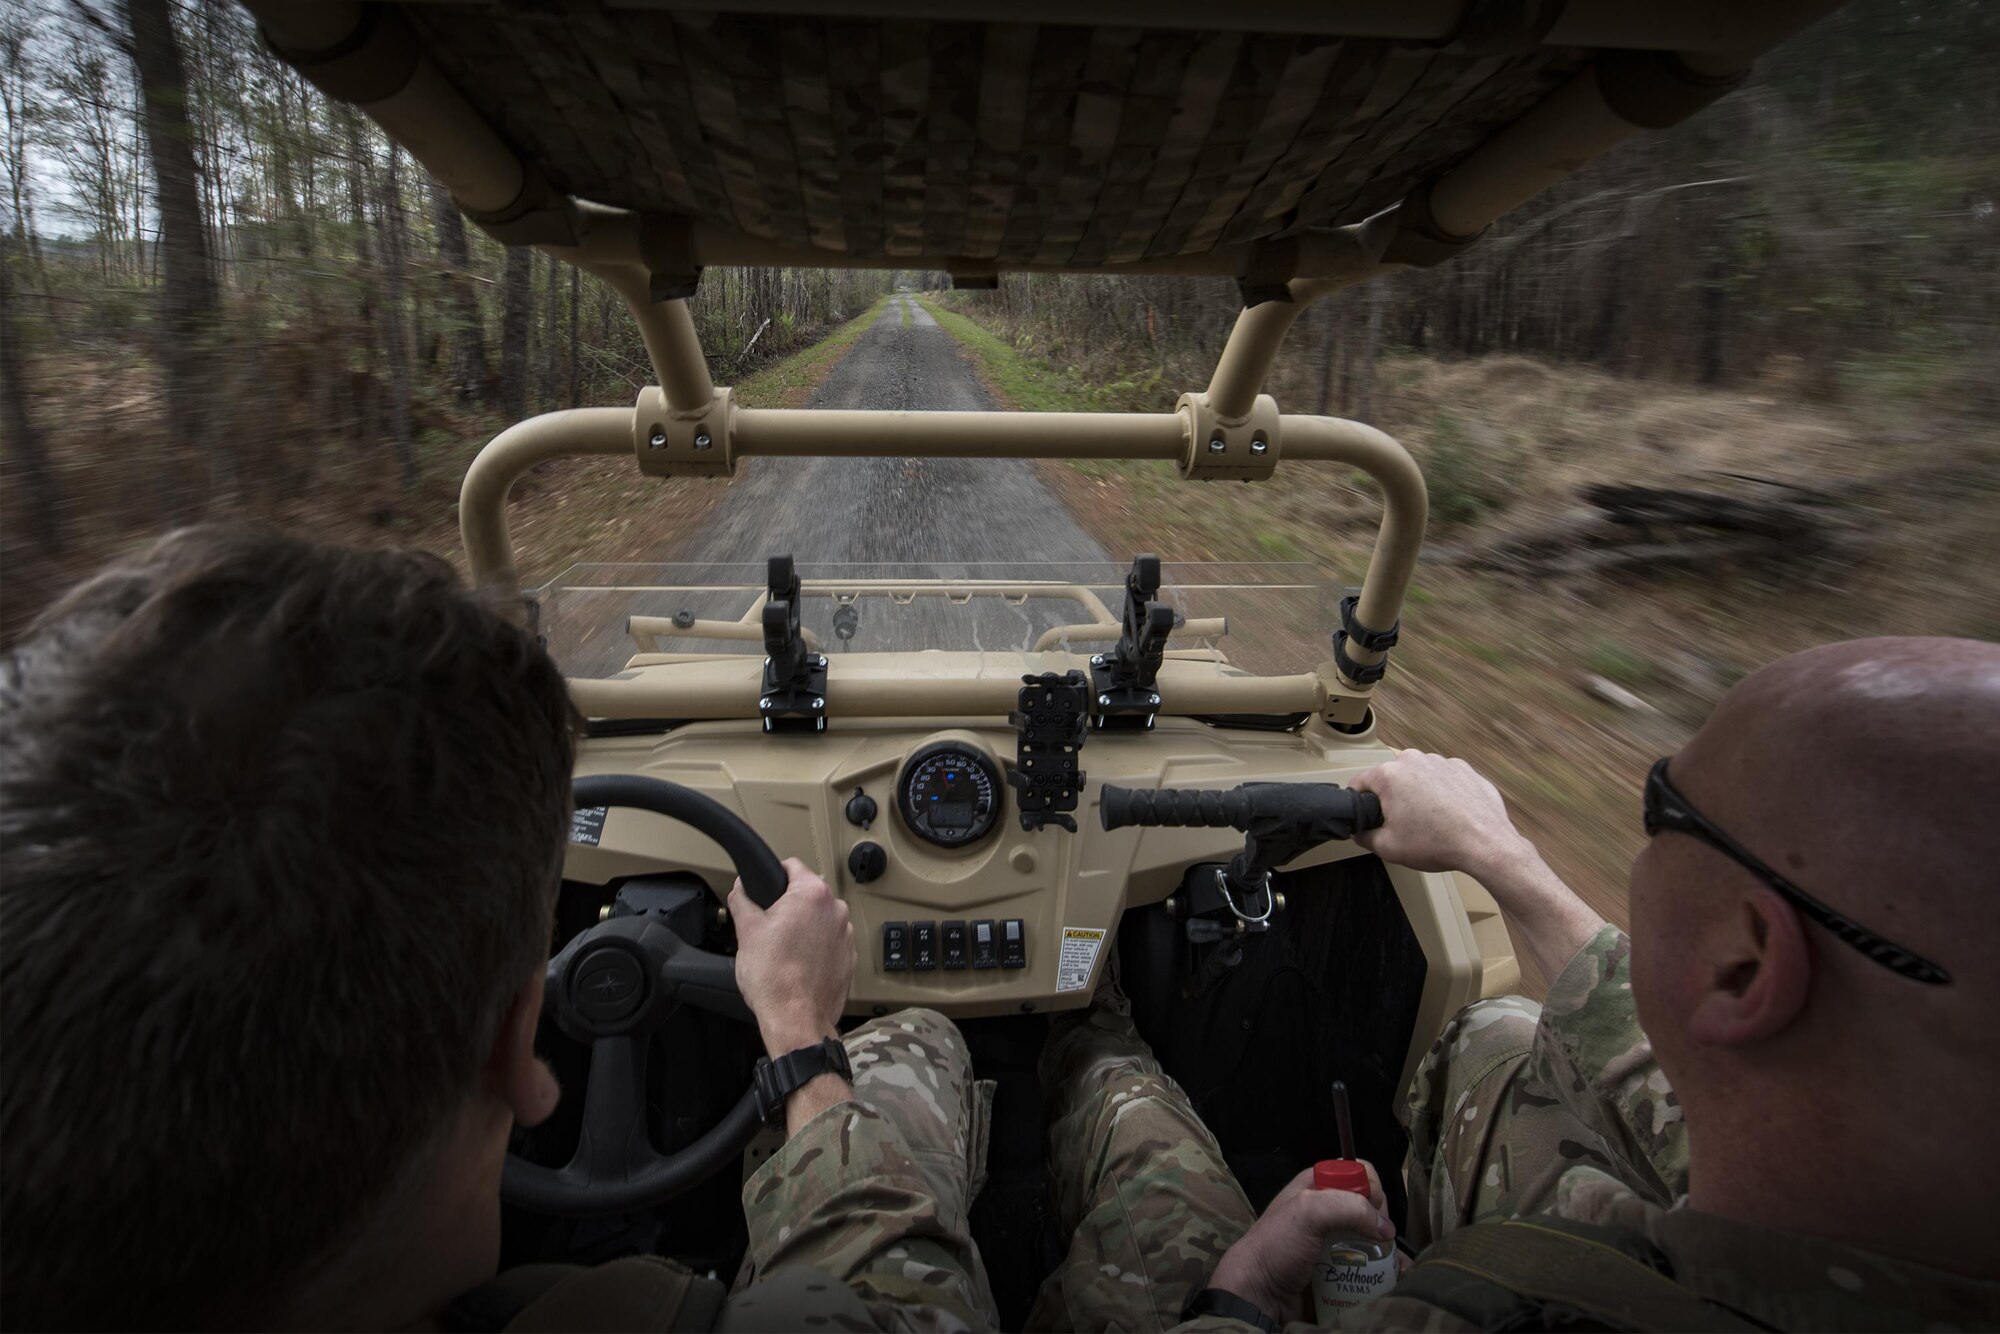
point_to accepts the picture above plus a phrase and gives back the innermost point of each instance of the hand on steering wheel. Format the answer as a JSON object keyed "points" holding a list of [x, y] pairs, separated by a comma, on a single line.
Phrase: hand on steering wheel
{"points": [[613, 986], [794, 961]]}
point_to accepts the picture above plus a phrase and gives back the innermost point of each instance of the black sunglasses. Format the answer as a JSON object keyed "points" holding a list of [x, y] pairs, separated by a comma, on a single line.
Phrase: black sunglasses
{"points": [[1666, 808]]}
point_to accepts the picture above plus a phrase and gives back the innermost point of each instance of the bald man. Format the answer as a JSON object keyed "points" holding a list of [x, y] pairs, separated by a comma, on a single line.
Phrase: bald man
{"points": [[1773, 1105]]}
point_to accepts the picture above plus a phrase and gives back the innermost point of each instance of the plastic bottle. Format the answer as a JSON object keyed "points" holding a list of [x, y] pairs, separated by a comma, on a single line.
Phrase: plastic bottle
{"points": [[1353, 1268]]}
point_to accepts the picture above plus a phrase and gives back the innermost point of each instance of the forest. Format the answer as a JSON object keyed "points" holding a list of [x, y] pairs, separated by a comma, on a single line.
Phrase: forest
{"points": [[263, 299], [223, 295]]}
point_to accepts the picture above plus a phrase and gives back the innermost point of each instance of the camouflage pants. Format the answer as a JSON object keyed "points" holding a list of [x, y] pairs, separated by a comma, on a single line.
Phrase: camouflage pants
{"points": [[913, 1069], [1491, 1130], [1140, 1185]]}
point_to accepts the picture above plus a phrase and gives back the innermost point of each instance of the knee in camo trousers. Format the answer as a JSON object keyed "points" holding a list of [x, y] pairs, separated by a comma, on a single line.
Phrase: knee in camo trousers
{"points": [[1141, 1188]]}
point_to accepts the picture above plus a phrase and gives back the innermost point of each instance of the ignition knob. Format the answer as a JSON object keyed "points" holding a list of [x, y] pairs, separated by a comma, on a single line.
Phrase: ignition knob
{"points": [[867, 862], [861, 809]]}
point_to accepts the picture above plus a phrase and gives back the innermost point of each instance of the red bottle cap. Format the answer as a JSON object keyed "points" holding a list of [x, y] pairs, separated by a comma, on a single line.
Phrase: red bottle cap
{"points": [[1341, 1174]]}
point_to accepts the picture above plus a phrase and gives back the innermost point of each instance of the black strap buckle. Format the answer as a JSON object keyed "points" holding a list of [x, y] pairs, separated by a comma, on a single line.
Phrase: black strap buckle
{"points": [[1221, 1302], [1375, 641], [775, 1081]]}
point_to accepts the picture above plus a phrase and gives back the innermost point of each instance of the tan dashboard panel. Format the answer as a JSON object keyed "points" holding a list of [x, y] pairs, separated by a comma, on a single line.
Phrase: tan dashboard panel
{"points": [[794, 789]]}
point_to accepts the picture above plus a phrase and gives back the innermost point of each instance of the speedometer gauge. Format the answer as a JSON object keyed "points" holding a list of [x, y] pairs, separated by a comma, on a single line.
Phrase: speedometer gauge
{"points": [[949, 794]]}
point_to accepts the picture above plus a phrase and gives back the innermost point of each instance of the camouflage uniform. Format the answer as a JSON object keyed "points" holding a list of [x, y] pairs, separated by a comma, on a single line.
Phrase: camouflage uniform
{"points": [[1513, 1094], [1139, 1183], [1561, 1109], [874, 1193]]}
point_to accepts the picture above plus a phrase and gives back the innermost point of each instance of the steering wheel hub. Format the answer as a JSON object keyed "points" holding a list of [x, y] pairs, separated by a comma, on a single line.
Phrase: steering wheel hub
{"points": [[607, 985]]}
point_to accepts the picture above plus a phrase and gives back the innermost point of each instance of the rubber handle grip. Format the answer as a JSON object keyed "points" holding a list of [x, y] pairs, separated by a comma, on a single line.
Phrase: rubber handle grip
{"points": [[1367, 811], [1201, 808], [1207, 808]]}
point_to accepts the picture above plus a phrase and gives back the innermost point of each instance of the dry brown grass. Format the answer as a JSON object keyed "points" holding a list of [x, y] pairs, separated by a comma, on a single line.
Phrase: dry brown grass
{"points": [[118, 482]]}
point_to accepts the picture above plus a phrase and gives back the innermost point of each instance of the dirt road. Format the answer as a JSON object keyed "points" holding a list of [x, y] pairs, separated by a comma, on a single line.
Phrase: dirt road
{"points": [[900, 518], [833, 510]]}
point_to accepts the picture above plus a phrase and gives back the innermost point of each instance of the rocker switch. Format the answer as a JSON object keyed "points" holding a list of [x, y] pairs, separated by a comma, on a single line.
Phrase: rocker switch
{"points": [[923, 946], [1013, 943], [895, 947], [954, 945], [985, 949]]}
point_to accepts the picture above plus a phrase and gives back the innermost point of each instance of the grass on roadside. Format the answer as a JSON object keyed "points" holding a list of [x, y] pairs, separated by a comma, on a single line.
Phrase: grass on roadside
{"points": [[790, 381], [1028, 382]]}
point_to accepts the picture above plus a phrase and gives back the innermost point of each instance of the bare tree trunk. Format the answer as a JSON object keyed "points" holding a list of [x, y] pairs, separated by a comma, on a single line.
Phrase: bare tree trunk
{"points": [[395, 317], [1371, 347], [24, 443], [551, 317], [187, 294], [468, 334], [363, 420], [517, 295], [1712, 327], [1322, 320], [575, 371]]}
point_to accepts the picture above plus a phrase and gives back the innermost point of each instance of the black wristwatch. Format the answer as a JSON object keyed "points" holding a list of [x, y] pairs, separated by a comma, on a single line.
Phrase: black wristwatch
{"points": [[1217, 1301], [778, 1080]]}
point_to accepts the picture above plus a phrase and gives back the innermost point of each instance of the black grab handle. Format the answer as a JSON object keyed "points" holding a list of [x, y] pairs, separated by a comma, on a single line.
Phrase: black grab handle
{"points": [[1237, 807], [1190, 807]]}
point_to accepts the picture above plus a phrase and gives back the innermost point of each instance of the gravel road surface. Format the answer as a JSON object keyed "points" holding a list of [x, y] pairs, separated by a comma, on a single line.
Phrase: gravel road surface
{"points": [[905, 518], [929, 510]]}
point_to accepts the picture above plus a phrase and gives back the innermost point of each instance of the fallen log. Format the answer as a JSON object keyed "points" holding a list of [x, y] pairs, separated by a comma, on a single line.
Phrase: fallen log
{"points": [[1638, 528]]}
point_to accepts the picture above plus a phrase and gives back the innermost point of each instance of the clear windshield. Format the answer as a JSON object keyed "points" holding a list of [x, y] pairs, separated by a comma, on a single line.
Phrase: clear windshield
{"points": [[1263, 617]]}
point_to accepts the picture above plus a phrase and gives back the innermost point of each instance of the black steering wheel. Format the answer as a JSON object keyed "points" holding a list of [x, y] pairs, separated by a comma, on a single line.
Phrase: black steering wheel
{"points": [[612, 987]]}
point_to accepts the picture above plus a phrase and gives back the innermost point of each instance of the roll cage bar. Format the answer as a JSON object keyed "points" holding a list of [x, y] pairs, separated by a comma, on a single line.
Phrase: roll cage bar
{"points": [[1687, 55]]}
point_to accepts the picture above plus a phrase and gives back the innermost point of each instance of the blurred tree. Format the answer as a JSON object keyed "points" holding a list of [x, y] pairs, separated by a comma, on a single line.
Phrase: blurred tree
{"points": [[25, 451], [187, 302], [389, 223], [467, 328], [517, 292]]}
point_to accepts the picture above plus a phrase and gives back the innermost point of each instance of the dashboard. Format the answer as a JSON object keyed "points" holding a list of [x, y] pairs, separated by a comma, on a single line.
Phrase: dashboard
{"points": [[954, 904]]}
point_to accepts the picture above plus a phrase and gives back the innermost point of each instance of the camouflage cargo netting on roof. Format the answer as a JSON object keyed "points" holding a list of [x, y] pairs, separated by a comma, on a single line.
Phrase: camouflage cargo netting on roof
{"points": [[1022, 143]]}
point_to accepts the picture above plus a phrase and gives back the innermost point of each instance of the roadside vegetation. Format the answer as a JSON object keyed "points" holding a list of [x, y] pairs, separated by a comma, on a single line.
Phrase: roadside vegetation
{"points": [[277, 316], [1557, 659], [1564, 687], [1712, 400]]}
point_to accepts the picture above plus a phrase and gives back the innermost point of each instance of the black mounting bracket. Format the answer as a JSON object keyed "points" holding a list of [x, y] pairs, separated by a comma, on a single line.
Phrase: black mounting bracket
{"points": [[1125, 681], [1052, 721], [793, 697], [1375, 641]]}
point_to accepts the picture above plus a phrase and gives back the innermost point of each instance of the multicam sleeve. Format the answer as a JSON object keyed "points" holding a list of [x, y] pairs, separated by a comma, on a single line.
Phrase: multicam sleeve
{"points": [[1590, 1050], [846, 1197]]}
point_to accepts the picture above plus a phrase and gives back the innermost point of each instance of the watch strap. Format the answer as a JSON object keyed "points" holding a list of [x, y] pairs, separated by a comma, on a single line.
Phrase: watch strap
{"points": [[777, 1080], [1220, 1302]]}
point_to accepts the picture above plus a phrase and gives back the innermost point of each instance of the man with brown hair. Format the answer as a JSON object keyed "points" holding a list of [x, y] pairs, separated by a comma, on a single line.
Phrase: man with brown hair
{"points": [[281, 830]]}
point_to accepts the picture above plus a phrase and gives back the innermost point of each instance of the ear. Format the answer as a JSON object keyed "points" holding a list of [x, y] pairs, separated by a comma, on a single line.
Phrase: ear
{"points": [[1759, 971], [516, 1075]]}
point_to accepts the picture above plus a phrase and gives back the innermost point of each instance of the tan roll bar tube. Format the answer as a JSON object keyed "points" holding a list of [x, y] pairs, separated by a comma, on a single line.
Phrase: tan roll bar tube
{"points": [[1161, 436], [482, 498], [955, 687]]}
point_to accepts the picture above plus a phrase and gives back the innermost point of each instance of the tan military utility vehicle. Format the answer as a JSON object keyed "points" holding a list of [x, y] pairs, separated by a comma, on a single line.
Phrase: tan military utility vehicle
{"points": [[1007, 772]]}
